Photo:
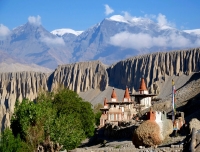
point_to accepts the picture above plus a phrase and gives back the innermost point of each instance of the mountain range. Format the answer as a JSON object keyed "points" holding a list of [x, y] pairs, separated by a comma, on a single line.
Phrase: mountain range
{"points": [[109, 41]]}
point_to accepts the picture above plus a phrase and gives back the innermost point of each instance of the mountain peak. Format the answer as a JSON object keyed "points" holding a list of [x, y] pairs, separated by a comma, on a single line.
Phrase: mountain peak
{"points": [[194, 31], [118, 18], [128, 19], [63, 31]]}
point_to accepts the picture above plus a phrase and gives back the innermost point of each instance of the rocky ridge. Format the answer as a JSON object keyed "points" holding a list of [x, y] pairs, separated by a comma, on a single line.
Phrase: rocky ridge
{"points": [[81, 76], [18, 85], [158, 69], [86, 77], [154, 67]]}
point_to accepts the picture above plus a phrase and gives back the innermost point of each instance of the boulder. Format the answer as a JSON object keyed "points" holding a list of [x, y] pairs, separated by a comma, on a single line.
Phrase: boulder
{"points": [[167, 128], [194, 123]]}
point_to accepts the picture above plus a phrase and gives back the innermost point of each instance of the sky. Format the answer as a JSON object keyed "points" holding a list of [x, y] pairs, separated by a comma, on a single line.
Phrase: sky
{"points": [[82, 14]]}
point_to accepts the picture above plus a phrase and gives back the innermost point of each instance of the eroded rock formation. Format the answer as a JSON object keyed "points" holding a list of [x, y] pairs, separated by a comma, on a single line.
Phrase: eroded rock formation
{"points": [[81, 76], [157, 69], [153, 67], [16, 86]]}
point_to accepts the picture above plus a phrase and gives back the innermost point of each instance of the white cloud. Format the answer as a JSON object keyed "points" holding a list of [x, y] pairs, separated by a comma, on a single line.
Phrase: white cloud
{"points": [[108, 9], [127, 16], [4, 32], [52, 41], [143, 40], [34, 20], [162, 21], [136, 41], [150, 16]]}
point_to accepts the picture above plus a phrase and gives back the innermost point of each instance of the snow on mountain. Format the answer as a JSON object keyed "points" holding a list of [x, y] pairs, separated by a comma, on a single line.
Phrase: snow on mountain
{"points": [[195, 31], [63, 31], [35, 44], [127, 19], [118, 18], [136, 21], [111, 40]]}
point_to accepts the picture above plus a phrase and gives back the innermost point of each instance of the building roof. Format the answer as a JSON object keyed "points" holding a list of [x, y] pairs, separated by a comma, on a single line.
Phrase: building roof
{"points": [[114, 95], [142, 85], [143, 95], [120, 102], [104, 109], [126, 94]]}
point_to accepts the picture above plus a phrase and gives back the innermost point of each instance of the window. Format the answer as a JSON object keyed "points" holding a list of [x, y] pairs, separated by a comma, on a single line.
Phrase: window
{"points": [[112, 117], [116, 116]]}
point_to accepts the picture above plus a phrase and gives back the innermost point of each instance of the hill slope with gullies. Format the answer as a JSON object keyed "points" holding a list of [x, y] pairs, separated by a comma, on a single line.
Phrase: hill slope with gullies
{"points": [[94, 81]]}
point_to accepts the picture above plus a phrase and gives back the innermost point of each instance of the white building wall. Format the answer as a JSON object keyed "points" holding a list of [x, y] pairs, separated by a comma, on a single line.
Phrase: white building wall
{"points": [[142, 101], [113, 100], [149, 101], [158, 116], [146, 102], [126, 99], [146, 92]]}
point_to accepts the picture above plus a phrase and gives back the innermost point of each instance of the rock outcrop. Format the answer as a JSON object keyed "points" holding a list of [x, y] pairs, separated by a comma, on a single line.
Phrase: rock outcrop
{"points": [[154, 67], [195, 140], [194, 123], [81, 76], [16, 86], [158, 69]]}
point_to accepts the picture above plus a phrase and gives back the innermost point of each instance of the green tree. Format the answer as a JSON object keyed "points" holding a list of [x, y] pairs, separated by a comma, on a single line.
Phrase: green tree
{"points": [[68, 102], [66, 131], [28, 121], [63, 116], [97, 113], [10, 143]]}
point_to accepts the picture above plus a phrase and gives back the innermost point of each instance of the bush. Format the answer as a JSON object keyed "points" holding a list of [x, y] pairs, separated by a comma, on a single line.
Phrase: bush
{"points": [[9, 143], [63, 116], [68, 102], [97, 113]]}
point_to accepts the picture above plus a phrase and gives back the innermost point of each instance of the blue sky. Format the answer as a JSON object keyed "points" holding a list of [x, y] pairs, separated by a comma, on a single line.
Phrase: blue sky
{"points": [[82, 14]]}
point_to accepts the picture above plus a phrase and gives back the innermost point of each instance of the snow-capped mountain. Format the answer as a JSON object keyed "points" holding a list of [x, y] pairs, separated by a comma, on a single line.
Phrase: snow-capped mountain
{"points": [[194, 31], [111, 40], [117, 38], [61, 32], [34, 44]]}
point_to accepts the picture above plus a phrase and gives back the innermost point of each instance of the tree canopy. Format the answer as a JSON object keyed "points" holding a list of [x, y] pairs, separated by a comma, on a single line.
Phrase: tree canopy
{"points": [[63, 116]]}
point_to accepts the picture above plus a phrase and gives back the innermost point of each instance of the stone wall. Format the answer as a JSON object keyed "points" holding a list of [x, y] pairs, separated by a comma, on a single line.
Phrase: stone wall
{"points": [[130, 148]]}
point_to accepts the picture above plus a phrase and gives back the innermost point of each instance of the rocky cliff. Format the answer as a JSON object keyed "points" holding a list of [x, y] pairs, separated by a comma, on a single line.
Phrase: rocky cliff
{"points": [[155, 67], [158, 69], [81, 76], [18, 85]]}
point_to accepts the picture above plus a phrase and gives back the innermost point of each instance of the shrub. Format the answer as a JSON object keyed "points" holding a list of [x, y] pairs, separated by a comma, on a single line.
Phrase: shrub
{"points": [[63, 116]]}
